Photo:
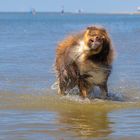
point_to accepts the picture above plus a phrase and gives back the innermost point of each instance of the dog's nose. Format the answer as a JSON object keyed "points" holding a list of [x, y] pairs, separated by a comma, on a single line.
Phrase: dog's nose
{"points": [[97, 38]]}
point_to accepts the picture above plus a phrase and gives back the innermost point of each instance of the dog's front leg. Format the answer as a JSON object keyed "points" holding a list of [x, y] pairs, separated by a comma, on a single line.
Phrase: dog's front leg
{"points": [[104, 91], [84, 93], [82, 89], [61, 88], [60, 91]]}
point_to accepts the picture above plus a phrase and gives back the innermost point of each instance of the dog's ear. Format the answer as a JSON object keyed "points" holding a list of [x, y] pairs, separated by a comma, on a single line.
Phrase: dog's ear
{"points": [[103, 30]]}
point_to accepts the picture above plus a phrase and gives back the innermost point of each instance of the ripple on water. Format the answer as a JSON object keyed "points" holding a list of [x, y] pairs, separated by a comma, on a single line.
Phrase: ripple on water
{"points": [[125, 122]]}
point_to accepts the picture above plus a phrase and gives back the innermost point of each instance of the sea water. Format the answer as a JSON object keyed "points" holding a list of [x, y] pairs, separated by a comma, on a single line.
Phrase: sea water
{"points": [[30, 108]]}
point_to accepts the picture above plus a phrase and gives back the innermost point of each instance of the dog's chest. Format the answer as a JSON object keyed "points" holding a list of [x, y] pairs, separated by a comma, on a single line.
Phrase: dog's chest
{"points": [[95, 74], [96, 77]]}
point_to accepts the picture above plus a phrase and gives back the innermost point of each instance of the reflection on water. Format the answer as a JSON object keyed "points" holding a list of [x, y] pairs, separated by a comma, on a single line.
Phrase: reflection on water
{"points": [[86, 123]]}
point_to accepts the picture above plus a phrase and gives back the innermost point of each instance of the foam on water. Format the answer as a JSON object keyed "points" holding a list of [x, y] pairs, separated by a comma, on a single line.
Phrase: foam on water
{"points": [[73, 94]]}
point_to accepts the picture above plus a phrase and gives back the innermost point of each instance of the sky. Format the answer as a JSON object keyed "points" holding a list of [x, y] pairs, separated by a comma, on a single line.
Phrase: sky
{"points": [[92, 6]]}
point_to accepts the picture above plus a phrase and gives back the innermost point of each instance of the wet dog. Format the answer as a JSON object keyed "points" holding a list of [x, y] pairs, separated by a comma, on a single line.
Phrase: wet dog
{"points": [[84, 60]]}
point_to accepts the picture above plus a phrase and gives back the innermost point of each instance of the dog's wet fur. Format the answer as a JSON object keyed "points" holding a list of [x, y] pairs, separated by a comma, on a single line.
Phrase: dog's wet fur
{"points": [[85, 60]]}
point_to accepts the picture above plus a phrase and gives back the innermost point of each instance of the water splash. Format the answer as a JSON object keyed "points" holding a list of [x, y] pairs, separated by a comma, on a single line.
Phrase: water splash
{"points": [[73, 94]]}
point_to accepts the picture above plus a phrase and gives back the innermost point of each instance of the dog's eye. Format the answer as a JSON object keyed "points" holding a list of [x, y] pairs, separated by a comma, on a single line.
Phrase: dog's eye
{"points": [[103, 37], [91, 40]]}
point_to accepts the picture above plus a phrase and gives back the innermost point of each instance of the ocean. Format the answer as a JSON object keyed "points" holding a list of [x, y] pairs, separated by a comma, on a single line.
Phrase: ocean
{"points": [[30, 108]]}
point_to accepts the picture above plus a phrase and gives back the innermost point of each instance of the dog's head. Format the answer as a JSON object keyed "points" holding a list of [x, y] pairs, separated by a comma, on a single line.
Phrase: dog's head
{"points": [[96, 39]]}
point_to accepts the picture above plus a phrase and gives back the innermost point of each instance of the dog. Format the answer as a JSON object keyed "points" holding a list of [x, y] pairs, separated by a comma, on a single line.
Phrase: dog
{"points": [[84, 60]]}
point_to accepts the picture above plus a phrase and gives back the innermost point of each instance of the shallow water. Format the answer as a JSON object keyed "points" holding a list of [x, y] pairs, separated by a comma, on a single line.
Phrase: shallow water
{"points": [[30, 116], [30, 109]]}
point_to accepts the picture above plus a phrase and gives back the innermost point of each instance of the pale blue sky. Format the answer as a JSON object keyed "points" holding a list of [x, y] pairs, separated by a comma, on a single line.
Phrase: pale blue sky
{"points": [[95, 6]]}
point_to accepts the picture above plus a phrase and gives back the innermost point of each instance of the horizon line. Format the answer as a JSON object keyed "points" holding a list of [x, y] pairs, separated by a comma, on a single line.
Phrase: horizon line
{"points": [[67, 12]]}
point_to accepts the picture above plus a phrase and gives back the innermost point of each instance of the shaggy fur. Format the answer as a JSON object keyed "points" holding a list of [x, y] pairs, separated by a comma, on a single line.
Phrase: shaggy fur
{"points": [[84, 60]]}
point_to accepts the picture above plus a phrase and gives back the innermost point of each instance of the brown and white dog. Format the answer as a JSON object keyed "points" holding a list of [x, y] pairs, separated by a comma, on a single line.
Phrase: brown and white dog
{"points": [[84, 60]]}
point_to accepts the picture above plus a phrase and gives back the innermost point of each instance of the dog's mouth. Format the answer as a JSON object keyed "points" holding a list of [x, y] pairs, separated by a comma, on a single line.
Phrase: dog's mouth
{"points": [[94, 45]]}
